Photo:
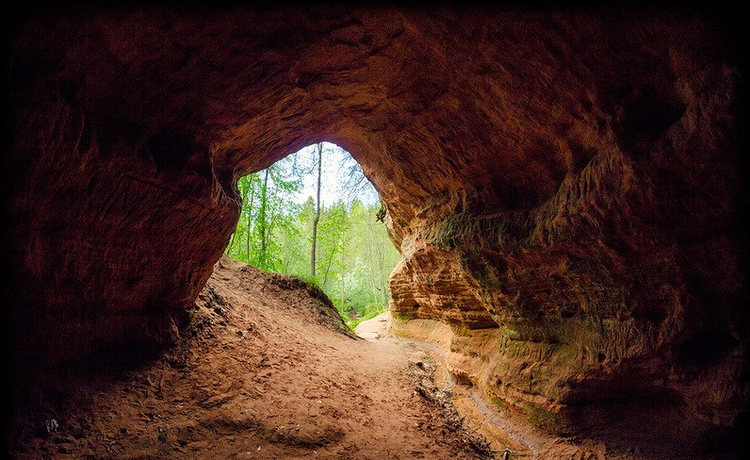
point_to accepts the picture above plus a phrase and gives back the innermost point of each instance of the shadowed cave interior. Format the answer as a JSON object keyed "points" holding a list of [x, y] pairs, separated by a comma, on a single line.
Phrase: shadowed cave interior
{"points": [[564, 187]]}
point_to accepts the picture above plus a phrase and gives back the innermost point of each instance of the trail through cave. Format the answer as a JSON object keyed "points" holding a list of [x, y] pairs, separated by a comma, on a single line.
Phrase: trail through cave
{"points": [[265, 371], [268, 370], [564, 188]]}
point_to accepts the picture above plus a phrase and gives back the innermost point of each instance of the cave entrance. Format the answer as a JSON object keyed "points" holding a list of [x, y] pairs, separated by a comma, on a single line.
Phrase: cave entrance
{"points": [[315, 215]]}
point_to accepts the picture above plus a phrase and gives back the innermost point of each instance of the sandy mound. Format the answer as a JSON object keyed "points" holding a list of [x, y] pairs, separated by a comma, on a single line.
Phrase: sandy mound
{"points": [[266, 370]]}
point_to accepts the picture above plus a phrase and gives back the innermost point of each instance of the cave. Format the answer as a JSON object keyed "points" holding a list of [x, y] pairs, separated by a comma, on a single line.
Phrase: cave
{"points": [[565, 189]]}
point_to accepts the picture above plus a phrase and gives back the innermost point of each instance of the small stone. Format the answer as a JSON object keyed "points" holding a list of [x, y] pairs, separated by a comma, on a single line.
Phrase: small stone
{"points": [[52, 425]]}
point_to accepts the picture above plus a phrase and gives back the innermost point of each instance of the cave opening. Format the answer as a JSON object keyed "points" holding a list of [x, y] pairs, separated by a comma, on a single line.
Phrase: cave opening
{"points": [[564, 188], [316, 216]]}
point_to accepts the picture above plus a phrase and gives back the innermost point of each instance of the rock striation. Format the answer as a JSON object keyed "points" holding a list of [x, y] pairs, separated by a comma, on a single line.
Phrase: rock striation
{"points": [[564, 187]]}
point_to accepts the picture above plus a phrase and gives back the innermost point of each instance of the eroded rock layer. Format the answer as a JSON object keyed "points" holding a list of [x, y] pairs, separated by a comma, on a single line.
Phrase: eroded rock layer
{"points": [[564, 187]]}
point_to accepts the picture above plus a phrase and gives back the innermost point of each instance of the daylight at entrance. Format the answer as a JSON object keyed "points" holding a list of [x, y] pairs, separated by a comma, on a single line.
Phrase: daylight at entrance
{"points": [[314, 215]]}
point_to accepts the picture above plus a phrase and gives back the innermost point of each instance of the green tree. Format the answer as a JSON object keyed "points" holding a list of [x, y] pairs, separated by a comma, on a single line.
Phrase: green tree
{"points": [[316, 219], [266, 205], [341, 246]]}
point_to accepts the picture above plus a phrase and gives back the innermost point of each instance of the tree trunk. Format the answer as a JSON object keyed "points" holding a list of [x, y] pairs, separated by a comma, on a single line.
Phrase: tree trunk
{"points": [[328, 267], [371, 265], [343, 267], [262, 220], [343, 297], [251, 187], [317, 211]]}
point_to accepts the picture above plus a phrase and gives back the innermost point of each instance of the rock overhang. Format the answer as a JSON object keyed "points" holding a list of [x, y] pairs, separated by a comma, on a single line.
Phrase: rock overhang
{"points": [[565, 181]]}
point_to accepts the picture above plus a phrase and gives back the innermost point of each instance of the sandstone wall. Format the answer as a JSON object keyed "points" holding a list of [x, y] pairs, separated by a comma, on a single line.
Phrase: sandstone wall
{"points": [[564, 187]]}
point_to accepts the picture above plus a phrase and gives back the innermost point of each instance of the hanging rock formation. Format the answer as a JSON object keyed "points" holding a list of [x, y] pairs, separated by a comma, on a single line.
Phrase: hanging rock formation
{"points": [[564, 187]]}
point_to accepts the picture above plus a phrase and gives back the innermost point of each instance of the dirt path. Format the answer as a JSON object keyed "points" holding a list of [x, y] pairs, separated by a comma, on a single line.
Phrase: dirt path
{"points": [[262, 376], [503, 431]]}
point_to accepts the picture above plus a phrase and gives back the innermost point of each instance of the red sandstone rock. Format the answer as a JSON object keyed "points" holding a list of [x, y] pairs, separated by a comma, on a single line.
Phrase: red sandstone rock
{"points": [[564, 187]]}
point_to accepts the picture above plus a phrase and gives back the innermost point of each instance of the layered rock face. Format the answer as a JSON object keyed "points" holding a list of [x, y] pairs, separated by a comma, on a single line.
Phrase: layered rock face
{"points": [[564, 187]]}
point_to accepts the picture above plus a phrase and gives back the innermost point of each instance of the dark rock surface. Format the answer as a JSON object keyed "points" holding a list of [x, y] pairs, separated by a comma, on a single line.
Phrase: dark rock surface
{"points": [[565, 186]]}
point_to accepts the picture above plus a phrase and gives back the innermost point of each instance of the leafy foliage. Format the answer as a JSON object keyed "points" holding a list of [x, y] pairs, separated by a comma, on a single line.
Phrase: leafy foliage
{"points": [[354, 254]]}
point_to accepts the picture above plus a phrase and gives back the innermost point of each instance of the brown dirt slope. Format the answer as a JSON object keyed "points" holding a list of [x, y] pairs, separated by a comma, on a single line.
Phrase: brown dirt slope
{"points": [[262, 372]]}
